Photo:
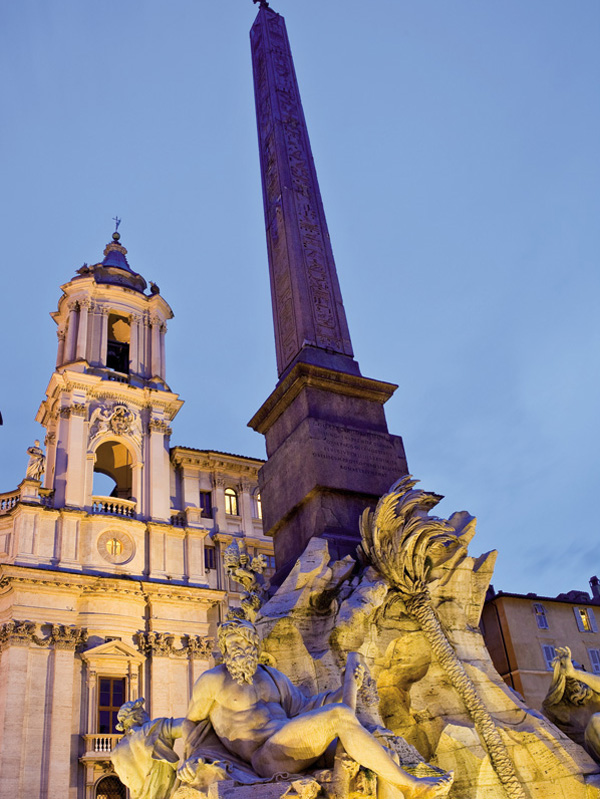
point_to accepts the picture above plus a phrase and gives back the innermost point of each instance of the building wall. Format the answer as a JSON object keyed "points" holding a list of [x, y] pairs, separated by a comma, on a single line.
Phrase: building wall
{"points": [[127, 588], [515, 636]]}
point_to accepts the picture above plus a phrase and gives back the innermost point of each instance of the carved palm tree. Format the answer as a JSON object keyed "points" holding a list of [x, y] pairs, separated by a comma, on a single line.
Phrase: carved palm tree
{"points": [[407, 547]]}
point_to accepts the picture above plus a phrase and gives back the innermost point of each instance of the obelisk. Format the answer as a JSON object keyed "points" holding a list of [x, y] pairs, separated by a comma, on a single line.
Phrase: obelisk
{"points": [[330, 454]]}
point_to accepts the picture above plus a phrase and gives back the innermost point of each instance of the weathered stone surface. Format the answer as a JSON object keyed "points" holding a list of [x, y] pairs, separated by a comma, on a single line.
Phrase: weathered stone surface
{"points": [[417, 698]]}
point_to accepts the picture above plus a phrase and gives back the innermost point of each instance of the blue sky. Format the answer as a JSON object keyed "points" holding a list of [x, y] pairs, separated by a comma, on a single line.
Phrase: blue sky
{"points": [[457, 150]]}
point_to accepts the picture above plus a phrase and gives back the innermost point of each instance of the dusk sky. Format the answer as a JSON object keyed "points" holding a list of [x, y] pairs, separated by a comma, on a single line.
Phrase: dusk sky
{"points": [[456, 145]]}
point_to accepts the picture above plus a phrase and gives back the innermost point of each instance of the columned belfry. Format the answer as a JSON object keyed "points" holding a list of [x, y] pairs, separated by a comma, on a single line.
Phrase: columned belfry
{"points": [[330, 454]]}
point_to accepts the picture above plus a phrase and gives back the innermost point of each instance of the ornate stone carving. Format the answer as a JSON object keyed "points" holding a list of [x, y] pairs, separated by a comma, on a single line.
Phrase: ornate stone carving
{"points": [[116, 418], [121, 420], [409, 548], [72, 638], [23, 633], [158, 644], [159, 426], [155, 644], [249, 574], [17, 633], [78, 409], [219, 480]]}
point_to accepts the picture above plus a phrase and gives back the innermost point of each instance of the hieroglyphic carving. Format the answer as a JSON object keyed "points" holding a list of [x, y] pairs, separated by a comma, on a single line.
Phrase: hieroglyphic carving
{"points": [[300, 256]]}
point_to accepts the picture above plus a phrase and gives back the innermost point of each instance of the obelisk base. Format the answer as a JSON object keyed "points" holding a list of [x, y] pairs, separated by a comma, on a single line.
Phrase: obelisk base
{"points": [[329, 457]]}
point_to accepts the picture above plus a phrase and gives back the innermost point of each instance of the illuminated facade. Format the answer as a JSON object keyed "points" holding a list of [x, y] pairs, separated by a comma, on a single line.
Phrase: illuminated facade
{"points": [[522, 632], [111, 575]]}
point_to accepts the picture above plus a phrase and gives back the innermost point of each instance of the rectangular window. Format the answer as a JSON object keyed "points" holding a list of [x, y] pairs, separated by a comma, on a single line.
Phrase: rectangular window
{"points": [[206, 504], [586, 621], [540, 616], [111, 695], [595, 660], [549, 655], [209, 557]]}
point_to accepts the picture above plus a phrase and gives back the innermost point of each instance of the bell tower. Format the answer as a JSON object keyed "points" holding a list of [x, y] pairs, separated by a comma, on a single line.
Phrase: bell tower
{"points": [[108, 407]]}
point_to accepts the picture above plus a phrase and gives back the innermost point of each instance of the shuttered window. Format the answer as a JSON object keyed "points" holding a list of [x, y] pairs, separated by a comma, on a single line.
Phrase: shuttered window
{"points": [[540, 616], [549, 655], [595, 660], [586, 621]]}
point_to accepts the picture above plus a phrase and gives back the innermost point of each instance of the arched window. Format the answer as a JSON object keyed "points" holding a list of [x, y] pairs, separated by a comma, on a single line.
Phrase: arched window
{"points": [[113, 460], [257, 504], [117, 346], [110, 788], [231, 502]]}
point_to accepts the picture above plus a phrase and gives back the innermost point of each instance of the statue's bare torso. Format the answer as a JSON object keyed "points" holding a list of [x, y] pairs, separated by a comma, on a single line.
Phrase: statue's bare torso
{"points": [[243, 716]]}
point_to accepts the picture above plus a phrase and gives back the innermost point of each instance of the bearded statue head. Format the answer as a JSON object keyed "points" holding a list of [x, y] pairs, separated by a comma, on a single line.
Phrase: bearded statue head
{"points": [[239, 643]]}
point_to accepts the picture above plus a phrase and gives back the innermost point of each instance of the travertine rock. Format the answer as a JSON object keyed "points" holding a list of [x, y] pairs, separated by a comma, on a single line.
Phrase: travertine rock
{"points": [[418, 698]]}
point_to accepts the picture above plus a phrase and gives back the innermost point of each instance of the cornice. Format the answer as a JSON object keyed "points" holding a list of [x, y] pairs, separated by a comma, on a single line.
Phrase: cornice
{"points": [[216, 461]]}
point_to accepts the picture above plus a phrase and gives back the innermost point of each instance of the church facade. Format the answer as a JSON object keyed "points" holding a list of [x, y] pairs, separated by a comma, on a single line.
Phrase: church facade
{"points": [[111, 572]]}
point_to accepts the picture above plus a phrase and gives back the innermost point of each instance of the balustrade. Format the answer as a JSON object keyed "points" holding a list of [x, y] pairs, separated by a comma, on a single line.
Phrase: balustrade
{"points": [[111, 506], [100, 744], [8, 501]]}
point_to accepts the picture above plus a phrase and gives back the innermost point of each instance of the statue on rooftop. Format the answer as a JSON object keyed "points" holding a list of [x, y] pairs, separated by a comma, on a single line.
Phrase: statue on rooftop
{"points": [[37, 462]]}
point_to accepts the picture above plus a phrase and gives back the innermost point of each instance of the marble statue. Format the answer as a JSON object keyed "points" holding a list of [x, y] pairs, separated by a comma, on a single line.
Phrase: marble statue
{"points": [[37, 462], [573, 702], [268, 724], [144, 758]]}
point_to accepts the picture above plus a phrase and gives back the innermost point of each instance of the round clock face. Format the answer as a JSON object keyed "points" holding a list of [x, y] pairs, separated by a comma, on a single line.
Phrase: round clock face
{"points": [[116, 547]]}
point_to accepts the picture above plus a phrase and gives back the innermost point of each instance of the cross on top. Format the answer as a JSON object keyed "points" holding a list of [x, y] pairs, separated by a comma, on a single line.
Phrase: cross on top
{"points": [[117, 222]]}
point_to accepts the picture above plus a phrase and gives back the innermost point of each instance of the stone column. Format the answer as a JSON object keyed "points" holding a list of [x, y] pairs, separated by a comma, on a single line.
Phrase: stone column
{"points": [[15, 677], [95, 334], [155, 347], [245, 509], [71, 333], [61, 720], [60, 355], [136, 485], [92, 701], [189, 488], [81, 351], [75, 477], [133, 686], [163, 361], [219, 508], [195, 556], [134, 344], [103, 336], [158, 481], [50, 442]]}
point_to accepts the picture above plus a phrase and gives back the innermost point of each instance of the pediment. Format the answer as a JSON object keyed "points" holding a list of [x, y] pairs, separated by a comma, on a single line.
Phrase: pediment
{"points": [[111, 651]]}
